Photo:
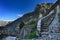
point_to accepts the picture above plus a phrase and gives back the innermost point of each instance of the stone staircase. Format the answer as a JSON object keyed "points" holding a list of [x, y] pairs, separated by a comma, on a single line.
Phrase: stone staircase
{"points": [[46, 22]]}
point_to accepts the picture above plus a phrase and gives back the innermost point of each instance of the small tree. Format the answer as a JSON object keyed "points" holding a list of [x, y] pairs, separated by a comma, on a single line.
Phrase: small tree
{"points": [[21, 24]]}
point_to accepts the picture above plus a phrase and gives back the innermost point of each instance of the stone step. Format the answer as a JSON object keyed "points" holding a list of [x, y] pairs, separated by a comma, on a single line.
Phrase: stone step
{"points": [[44, 30], [44, 25]]}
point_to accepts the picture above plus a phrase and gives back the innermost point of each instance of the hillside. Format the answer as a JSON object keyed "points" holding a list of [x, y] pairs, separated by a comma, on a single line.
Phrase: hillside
{"points": [[25, 26]]}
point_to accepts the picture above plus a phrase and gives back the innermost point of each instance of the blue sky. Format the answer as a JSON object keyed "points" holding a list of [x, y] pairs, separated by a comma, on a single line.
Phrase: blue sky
{"points": [[13, 9]]}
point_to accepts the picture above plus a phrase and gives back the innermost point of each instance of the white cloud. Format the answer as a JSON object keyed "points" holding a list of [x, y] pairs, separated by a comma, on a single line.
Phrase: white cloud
{"points": [[20, 15]]}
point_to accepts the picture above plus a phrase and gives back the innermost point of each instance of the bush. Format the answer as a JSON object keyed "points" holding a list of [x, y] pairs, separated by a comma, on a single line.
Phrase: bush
{"points": [[32, 22], [31, 35], [21, 25]]}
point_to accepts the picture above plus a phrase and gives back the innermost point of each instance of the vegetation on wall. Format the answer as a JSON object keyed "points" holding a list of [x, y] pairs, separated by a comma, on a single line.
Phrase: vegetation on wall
{"points": [[59, 16], [31, 35], [32, 22], [59, 21], [33, 32]]}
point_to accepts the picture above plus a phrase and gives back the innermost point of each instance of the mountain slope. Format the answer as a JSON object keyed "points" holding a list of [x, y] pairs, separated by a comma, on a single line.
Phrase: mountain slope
{"points": [[28, 19]]}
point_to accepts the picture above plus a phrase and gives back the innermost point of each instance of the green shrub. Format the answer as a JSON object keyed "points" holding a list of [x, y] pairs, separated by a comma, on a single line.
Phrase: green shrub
{"points": [[32, 22], [31, 35], [21, 25]]}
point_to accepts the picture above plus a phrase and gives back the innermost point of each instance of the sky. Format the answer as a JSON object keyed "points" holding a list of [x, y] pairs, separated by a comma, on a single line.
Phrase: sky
{"points": [[13, 9]]}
